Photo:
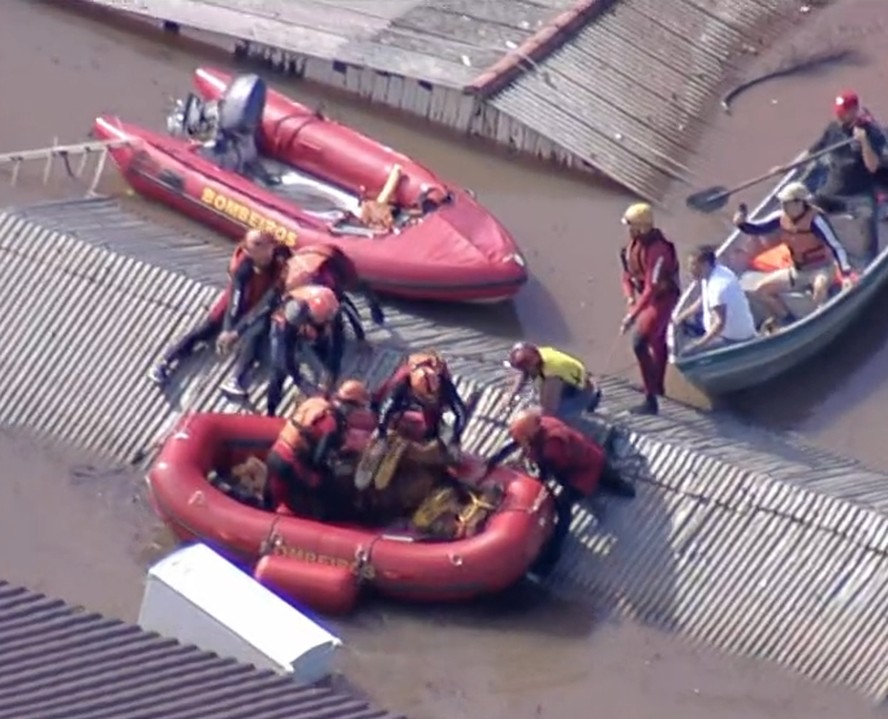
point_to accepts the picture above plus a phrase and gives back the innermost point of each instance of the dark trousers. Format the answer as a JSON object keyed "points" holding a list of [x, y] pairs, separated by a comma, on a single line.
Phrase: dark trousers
{"points": [[205, 333], [253, 349], [284, 364], [863, 209]]}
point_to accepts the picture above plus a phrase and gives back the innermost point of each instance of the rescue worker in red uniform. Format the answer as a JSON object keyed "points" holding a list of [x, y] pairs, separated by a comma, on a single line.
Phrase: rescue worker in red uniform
{"points": [[330, 266], [651, 287], [303, 329], [565, 455], [352, 399], [256, 273], [423, 383], [298, 461]]}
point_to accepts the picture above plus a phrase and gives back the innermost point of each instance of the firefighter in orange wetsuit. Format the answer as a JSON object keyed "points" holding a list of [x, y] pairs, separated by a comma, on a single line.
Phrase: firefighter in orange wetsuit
{"points": [[651, 286], [561, 453], [256, 272], [332, 267], [298, 461], [423, 383]]}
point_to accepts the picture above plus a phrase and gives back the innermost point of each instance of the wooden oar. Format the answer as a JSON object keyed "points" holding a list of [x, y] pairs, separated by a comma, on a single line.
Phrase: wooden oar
{"points": [[714, 198]]}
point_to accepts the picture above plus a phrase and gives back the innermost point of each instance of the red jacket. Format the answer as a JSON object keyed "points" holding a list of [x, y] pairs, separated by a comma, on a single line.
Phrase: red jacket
{"points": [[650, 270], [569, 455]]}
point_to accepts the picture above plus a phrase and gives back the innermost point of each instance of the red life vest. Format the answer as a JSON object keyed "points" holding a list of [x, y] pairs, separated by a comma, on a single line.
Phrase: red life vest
{"points": [[311, 421], [636, 258], [571, 456], [322, 264], [262, 280]]}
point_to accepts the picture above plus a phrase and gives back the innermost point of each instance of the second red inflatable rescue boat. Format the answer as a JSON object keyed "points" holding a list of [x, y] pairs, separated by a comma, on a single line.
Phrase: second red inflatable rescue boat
{"points": [[326, 565]]}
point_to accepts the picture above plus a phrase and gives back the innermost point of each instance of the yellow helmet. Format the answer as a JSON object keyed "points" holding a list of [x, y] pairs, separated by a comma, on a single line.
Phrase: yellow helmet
{"points": [[641, 214]]}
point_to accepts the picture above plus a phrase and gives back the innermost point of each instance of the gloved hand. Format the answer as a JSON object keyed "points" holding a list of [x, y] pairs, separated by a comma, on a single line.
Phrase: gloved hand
{"points": [[377, 314]]}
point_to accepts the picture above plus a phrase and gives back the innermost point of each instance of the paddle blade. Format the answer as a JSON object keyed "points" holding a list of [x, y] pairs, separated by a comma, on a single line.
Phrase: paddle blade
{"points": [[709, 200]]}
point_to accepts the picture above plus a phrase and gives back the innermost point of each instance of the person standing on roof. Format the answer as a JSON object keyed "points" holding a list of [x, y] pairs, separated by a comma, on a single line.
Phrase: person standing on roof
{"points": [[855, 170], [813, 244], [651, 286], [564, 387], [256, 273]]}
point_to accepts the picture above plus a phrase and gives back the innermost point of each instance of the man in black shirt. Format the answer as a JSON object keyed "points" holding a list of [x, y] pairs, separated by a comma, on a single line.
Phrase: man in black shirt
{"points": [[855, 170]]}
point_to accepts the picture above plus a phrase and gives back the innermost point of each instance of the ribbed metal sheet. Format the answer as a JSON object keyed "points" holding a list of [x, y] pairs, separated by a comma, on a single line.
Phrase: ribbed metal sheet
{"points": [[741, 538], [629, 92], [446, 42], [62, 662]]}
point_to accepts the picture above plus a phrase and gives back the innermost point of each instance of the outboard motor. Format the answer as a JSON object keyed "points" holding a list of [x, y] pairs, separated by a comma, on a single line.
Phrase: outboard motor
{"points": [[242, 105], [239, 120]]}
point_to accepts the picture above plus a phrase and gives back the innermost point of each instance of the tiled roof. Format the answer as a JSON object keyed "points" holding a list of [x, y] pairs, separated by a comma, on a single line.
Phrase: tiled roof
{"points": [[63, 662]]}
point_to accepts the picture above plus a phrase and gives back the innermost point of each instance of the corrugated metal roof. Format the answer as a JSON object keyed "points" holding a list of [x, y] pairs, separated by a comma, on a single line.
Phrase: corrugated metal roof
{"points": [[742, 538], [63, 662], [447, 42], [630, 91]]}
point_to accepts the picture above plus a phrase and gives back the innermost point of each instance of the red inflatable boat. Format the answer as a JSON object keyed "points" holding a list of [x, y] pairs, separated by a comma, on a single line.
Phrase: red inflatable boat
{"points": [[438, 243], [325, 566]]}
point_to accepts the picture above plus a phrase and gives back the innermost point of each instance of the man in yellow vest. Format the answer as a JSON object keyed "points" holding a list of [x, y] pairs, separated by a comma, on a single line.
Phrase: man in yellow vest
{"points": [[563, 385]]}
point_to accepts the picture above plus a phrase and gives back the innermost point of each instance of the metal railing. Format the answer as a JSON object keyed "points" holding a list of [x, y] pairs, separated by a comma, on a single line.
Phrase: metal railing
{"points": [[84, 152]]}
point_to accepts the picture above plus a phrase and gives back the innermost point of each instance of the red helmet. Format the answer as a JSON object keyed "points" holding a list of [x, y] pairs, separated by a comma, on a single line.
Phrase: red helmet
{"points": [[525, 425], [319, 301], [525, 357], [353, 392], [846, 100]]}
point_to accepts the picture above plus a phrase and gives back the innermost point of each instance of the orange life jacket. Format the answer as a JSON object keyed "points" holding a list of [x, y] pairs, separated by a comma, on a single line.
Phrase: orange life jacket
{"points": [[805, 248], [432, 360], [310, 422]]}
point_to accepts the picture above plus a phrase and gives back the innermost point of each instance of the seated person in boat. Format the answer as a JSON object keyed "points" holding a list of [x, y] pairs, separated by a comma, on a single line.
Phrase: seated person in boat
{"points": [[299, 474], [256, 273], [726, 314], [330, 266], [856, 171], [564, 387], [422, 384], [813, 244], [561, 453], [352, 399]]}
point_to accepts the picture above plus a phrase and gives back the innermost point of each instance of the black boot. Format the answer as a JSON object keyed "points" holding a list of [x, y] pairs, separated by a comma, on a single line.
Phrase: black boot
{"points": [[650, 406]]}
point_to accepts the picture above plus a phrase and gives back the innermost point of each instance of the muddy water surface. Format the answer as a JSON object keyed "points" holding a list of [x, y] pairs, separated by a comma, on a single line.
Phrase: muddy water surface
{"points": [[84, 532]]}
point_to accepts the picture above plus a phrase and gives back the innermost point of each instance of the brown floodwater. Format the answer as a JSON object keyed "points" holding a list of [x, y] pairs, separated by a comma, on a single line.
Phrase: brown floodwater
{"points": [[83, 531]]}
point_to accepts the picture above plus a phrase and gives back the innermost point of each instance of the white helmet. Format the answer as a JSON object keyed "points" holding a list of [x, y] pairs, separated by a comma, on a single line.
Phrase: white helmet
{"points": [[794, 191]]}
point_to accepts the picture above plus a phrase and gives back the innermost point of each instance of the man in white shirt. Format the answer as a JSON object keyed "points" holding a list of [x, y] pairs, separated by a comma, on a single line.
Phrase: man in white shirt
{"points": [[727, 317]]}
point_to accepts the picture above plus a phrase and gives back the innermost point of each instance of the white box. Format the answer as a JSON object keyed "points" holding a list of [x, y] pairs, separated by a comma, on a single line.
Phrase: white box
{"points": [[198, 597]]}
